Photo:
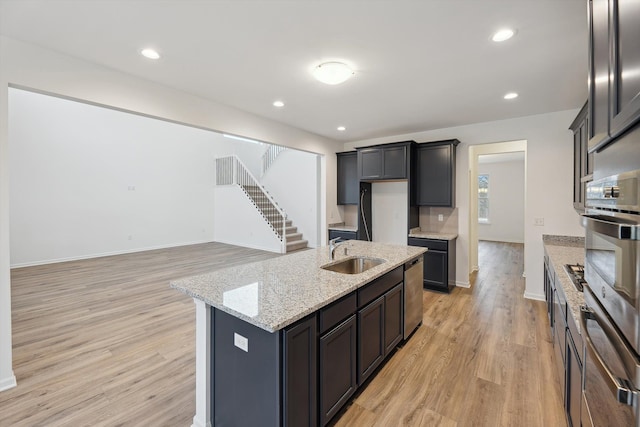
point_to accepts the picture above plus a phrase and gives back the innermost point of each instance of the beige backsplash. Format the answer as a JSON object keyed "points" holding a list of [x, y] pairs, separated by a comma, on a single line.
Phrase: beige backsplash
{"points": [[429, 220]]}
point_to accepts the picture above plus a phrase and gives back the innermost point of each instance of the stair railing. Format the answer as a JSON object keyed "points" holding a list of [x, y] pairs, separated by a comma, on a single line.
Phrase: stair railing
{"points": [[231, 171], [270, 156]]}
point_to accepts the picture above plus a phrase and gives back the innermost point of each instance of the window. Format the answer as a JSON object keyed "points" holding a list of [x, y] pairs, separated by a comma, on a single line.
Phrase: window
{"points": [[483, 198]]}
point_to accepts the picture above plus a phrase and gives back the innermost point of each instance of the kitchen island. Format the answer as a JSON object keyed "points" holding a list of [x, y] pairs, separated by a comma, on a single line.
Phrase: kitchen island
{"points": [[286, 341]]}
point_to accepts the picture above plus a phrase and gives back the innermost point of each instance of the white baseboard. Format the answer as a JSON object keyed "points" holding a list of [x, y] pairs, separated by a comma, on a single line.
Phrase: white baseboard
{"points": [[537, 297], [103, 254], [7, 383], [198, 423], [463, 284]]}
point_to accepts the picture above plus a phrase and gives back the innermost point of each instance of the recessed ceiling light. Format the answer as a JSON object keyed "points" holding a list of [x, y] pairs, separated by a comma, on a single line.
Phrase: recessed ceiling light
{"points": [[278, 104], [342, 128], [511, 95], [502, 35], [150, 53], [332, 73]]}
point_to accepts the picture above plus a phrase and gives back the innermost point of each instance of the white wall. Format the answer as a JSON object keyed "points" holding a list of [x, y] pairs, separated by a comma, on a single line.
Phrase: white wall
{"points": [[389, 201], [30, 66], [292, 180], [238, 223], [506, 202], [549, 181], [88, 181]]}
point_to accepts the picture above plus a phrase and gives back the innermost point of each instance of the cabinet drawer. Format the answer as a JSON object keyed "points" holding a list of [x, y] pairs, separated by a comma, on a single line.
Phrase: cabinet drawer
{"points": [[345, 235], [379, 286], [337, 312], [438, 245]]}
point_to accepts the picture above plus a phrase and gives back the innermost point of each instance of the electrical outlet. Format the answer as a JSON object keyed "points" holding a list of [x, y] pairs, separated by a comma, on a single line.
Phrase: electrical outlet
{"points": [[440, 217], [130, 237], [538, 222]]}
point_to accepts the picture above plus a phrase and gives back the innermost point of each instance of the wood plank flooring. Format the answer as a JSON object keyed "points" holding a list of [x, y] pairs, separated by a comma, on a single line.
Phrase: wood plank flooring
{"points": [[481, 358], [106, 342]]}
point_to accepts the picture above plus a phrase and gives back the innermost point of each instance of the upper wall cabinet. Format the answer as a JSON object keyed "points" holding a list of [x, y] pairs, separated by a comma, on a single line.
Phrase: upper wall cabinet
{"points": [[347, 178], [382, 162], [614, 83], [582, 161], [435, 173]]}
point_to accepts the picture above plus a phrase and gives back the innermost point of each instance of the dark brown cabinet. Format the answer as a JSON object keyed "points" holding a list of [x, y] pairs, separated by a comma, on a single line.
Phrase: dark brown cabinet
{"points": [[337, 368], [347, 178], [567, 346], [384, 162], [300, 374], [435, 173], [344, 235], [370, 338], [439, 263], [582, 160], [393, 328], [614, 84]]}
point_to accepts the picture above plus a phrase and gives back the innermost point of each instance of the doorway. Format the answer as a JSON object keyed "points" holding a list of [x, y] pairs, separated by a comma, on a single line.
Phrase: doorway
{"points": [[494, 152]]}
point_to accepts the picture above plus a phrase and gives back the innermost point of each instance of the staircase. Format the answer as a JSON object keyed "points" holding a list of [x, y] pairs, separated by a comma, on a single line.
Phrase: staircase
{"points": [[231, 171]]}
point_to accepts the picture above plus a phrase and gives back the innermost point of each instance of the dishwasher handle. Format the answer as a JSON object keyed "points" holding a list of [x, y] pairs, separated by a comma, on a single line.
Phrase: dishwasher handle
{"points": [[413, 262]]}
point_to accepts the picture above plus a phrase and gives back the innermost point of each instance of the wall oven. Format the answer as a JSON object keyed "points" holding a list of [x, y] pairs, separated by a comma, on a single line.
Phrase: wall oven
{"points": [[611, 319]]}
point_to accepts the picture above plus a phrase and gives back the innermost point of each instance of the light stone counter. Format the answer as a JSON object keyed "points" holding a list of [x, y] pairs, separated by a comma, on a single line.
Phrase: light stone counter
{"points": [[432, 235], [566, 250], [275, 293]]}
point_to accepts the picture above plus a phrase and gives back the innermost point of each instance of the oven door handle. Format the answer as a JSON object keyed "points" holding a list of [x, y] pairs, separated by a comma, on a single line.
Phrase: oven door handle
{"points": [[610, 227], [618, 386]]}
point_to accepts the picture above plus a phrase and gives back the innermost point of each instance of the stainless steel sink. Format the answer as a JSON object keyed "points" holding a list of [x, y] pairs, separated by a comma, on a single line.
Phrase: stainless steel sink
{"points": [[353, 265]]}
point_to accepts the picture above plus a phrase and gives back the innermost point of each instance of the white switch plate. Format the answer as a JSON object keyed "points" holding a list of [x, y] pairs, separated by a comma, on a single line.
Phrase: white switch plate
{"points": [[440, 217], [538, 222], [241, 342]]}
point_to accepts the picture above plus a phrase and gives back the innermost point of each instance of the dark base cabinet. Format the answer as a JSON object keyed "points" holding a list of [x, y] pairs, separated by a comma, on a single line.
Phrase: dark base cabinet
{"points": [[304, 374], [344, 235], [439, 263], [337, 369], [567, 346]]}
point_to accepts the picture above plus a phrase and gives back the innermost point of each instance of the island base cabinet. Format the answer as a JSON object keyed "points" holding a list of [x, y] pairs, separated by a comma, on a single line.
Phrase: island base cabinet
{"points": [[300, 374], [246, 373], [370, 338], [337, 369], [393, 317]]}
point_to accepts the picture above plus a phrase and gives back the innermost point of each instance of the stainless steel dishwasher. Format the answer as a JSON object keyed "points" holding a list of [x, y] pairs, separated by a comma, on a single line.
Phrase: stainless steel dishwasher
{"points": [[413, 275]]}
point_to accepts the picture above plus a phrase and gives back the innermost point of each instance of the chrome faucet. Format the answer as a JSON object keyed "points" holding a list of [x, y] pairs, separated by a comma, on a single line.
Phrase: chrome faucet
{"points": [[333, 244]]}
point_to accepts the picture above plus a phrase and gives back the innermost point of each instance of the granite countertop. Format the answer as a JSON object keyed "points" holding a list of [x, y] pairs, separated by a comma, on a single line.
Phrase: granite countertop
{"points": [[432, 235], [275, 293], [566, 250], [343, 227]]}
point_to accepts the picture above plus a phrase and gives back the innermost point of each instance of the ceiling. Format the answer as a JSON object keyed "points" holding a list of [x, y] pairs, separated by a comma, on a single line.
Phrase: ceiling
{"points": [[420, 65]]}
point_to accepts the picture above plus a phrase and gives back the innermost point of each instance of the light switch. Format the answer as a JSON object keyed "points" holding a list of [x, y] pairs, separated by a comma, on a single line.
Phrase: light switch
{"points": [[241, 342], [440, 217]]}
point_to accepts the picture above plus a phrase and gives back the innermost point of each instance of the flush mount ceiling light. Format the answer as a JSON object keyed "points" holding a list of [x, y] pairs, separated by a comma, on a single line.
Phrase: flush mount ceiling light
{"points": [[502, 35], [150, 53], [342, 128], [278, 104], [511, 95], [332, 73]]}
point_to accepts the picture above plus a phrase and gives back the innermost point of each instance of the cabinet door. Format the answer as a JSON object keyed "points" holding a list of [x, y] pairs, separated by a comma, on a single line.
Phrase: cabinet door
{"points": [[625, 86], [598, 73], [337, 368], [300, 374], [347, 178], [394, 162], [393, 327], [578, 201], [370, 338], [345, 235], [434, 175], [574, 384], [435, 270], [370, 163]]}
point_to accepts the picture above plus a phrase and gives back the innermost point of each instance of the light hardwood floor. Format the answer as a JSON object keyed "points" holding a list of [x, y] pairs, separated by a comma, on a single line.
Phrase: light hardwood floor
{"points": [[106, 342]]}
